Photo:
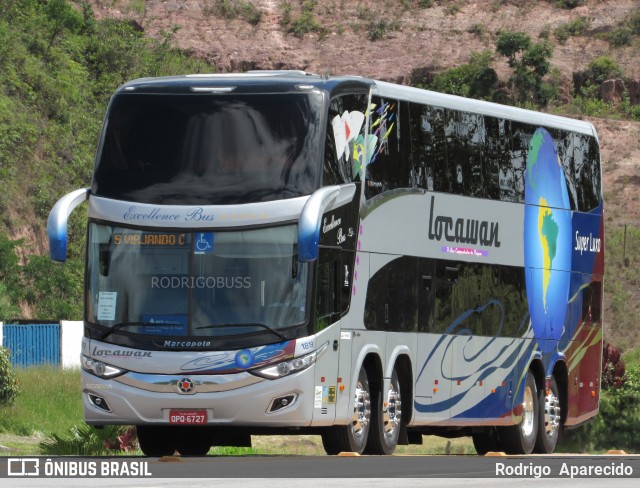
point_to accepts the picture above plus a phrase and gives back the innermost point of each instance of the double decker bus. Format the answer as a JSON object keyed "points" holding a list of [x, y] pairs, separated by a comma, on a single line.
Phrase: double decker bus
{"points": [[287, 253]]}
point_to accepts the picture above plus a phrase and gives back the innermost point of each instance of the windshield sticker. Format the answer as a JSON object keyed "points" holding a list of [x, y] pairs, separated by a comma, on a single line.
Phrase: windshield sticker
{"points": [[165, 324], [345, 129], [203, 243], [107, 305]]}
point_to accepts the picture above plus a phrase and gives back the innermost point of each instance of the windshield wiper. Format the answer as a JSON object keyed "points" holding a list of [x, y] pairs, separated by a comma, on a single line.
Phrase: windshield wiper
{"points": [[131, 324], [251, 324]]}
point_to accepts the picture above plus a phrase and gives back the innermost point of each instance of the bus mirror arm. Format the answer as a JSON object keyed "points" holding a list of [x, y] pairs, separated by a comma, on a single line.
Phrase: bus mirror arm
{"points": [[310, 220], [57, 222]]}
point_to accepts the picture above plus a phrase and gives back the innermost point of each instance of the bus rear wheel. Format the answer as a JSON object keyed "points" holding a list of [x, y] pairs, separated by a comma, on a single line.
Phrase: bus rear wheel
{"points": [[386, 419], [521, 438], [352, 437], [486, 441], [549, 419], [156, 440]]}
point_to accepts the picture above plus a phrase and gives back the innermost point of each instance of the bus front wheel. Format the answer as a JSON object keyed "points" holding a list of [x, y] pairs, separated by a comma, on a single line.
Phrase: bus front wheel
{"points": [[155, 440], [352, 437]]}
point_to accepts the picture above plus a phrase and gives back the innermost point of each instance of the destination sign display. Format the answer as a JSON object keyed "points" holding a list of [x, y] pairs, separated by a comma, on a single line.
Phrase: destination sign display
{"points": [[149, 239]]}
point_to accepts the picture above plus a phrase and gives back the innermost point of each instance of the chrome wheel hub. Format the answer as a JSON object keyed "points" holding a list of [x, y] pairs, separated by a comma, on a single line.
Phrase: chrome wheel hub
{"points": [[551, 413], [393, 411], [528, 412], [361, 410]]}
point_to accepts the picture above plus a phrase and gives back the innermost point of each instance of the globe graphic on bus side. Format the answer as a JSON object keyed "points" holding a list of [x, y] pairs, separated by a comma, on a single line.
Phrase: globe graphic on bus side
{"points": [[547, 240]]}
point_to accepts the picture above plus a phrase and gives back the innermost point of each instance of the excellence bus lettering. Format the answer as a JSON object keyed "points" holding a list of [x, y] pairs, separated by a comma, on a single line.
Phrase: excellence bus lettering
{"points": [[154, 214]]}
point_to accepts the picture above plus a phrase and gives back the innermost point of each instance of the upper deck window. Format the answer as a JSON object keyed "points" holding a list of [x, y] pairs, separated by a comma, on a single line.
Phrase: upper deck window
{"points": [[208, 149]]}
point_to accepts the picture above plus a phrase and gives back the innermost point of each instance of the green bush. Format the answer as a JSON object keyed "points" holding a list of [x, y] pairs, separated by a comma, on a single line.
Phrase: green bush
{"points": [[306, 22], [570, 4], [617, 425], [86, 440], [476, 79], [602, 69], [378, 29], [235, 9], [620, 36], [574, 28], [9, 387]]}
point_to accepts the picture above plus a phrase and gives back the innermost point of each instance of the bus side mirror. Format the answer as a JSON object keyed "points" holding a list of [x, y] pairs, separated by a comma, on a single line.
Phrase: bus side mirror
{"points": [[57, 223], [309, 224]]}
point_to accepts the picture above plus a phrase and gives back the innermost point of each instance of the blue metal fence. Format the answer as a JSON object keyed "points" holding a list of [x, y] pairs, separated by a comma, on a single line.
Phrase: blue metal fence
{"points": [[32, 344]]}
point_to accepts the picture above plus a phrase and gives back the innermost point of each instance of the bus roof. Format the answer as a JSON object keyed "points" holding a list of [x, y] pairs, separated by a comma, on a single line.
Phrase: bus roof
{"points": [[428, 97], [279, 81], [253, 81]]}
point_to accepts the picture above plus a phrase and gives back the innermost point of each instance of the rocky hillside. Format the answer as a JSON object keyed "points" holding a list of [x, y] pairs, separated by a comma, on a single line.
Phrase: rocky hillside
{"points": [[382, 39]]}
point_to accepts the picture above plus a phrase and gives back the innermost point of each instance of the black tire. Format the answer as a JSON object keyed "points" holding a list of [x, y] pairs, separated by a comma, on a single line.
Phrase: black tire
{"points": [[486, 441], [193, 441], [549, 419], [156, 440], [352, 437], [385, 424], [521, 438]]}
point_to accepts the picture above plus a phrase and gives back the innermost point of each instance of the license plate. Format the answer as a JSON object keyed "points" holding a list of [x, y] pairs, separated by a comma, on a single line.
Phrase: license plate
{"points": [[188, 417]]}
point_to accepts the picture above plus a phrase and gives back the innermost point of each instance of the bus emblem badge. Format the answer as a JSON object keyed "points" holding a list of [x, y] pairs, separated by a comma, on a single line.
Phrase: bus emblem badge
{"points": [[185, 385]]}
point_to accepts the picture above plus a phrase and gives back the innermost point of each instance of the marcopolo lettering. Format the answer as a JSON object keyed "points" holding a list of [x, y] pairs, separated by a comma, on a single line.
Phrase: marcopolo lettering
{"points": [[463, 231], [120, 353], [187, 343]]}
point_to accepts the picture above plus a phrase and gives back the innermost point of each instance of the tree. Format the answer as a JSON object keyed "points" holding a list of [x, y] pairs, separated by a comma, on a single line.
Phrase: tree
{"points": [[476, 79], [530, 62], [61, 16]]}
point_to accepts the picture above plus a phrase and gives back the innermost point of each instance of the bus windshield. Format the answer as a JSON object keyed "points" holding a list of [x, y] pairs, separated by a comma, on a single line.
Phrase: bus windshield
{"points": [[209, 149], [196, 284]]}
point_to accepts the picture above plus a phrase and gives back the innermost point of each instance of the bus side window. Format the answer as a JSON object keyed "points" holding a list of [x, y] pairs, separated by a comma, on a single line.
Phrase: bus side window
{"points": [[591, 303], [389, 166], [344, 140], [333, 285], [392, 297], [422, 146], [587, 172], [520, 138], [464, 133], [567, 146]]}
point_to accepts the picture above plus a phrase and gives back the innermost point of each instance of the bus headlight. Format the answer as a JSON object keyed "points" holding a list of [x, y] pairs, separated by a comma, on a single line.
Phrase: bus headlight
{"points": [[285, 368], [98, 368]]}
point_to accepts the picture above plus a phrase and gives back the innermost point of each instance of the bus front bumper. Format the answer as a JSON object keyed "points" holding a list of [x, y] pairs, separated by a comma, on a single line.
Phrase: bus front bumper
{"points": [[236, 399]]}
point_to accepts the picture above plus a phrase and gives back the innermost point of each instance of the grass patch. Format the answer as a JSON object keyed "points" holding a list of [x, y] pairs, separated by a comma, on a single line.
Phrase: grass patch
{"points": [[49, 402], [631, 358]]}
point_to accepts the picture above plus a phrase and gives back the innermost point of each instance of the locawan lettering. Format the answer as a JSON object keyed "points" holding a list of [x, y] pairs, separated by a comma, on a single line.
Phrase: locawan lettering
{"points": [[463, 231]]}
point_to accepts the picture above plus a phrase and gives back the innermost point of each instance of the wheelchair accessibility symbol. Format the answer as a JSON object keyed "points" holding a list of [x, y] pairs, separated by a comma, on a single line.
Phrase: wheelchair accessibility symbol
{"points": [[203, 243]]}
